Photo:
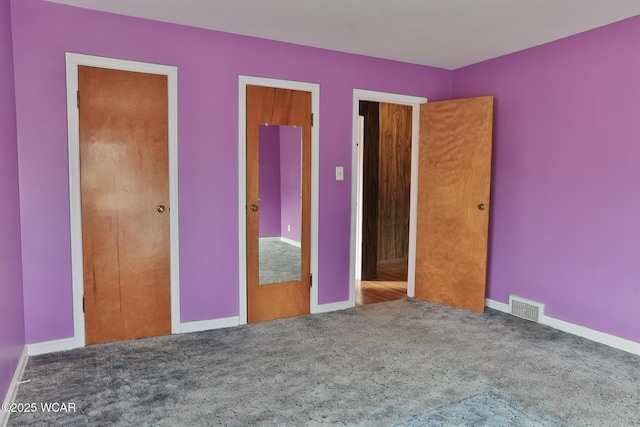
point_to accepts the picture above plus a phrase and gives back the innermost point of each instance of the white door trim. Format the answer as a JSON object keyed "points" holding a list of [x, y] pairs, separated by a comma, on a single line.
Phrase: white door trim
{"points": [[414, 102], [359, 198], [73, 60], [314, 88]]}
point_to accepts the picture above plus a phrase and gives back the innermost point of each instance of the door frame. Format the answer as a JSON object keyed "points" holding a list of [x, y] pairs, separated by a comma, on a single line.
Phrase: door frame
{"points": [[359, 197], [355, 262], [73, 60], [314, 88]]}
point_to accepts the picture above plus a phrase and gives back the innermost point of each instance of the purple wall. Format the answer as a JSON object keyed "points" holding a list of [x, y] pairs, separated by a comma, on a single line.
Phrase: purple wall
{"points": [[566, 205], [290, 184], [280, 181], [12, 337], [269, 181], [209, 64]]}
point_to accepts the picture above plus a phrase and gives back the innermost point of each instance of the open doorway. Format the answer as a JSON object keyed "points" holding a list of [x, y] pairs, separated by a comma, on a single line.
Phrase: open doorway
{"points": [[385, 149], [385, 160]]}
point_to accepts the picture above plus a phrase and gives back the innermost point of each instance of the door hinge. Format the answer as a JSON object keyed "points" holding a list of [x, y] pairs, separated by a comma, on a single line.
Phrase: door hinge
{"points": [[83, 303], [78, 99], [311, 119], [311, 281]]}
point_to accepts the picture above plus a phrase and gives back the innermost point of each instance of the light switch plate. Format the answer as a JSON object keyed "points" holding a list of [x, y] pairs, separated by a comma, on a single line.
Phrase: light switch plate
{"points": [[339, 173]]}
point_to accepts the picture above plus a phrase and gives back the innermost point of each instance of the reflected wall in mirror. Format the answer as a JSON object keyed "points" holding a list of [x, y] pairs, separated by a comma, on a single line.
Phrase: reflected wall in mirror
{"points": [[280, 203]]}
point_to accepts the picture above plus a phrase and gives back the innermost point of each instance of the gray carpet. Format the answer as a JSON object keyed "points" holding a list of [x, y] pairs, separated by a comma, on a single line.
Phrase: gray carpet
{"points": [[483, 410], [379, 365], [279, 262]]}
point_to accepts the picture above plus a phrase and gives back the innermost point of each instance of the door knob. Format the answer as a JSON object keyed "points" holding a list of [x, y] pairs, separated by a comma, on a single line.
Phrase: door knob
{"points": [[254, 208], [161, 208], [482, 206]]}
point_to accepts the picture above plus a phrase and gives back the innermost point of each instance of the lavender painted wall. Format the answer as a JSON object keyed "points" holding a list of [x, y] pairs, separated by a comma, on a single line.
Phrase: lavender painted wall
{"points": [[565, 208], [280, 181], [290, 182], [12, 337], [269, 181], [209, 64]]}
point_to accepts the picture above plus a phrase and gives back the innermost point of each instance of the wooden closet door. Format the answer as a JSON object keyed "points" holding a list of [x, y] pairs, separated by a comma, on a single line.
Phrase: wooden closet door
{"points": [[266, 105], [125, 203], [453, 202]]}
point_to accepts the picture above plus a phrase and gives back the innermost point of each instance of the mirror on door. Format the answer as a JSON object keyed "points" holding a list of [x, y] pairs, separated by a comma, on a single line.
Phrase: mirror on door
{"points": [[280, 204]]}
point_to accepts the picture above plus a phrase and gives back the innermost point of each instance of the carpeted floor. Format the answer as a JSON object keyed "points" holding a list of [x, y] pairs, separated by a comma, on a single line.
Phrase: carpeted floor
{"points": [[279, 262], [404, 363], [483, 410]]}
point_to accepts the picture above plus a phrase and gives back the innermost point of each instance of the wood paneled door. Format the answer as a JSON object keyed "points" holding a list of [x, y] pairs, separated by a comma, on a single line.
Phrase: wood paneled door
{"points": [[124, 173], [453, 202], [283, 107]]}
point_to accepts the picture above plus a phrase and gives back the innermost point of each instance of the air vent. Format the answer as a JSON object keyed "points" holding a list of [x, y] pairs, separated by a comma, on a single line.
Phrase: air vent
{"points": [[527, 309]]}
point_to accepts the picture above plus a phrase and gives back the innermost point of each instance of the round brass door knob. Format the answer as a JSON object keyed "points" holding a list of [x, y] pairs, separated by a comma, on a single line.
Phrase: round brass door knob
{"points": [[482, 206], [161, 208], [254, 208]]}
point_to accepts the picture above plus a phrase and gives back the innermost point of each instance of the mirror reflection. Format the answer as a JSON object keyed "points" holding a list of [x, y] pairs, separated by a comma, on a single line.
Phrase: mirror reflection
{"points": [[280, 203]]}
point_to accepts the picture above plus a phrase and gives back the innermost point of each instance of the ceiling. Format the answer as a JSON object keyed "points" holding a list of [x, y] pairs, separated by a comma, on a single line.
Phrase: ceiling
{"points": [[442, 33]]}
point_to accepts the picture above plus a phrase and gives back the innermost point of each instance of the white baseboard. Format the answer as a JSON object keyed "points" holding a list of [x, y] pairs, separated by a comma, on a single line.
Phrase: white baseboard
{"points": [[290, 242], [71, 343], [497, 305], [204, 325], [581, 331], [53, 346], [270, 239], [593, 335], [334, 306], [10, 397], [281, 239]]}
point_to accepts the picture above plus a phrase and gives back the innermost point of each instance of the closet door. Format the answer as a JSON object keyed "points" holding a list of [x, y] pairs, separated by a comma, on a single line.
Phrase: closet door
{"points": [[124, 170], [453, 202], [274, 296]]}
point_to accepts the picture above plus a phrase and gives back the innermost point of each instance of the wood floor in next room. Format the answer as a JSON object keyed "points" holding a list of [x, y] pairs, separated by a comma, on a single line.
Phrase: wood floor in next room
{"points": [[391, 284]]}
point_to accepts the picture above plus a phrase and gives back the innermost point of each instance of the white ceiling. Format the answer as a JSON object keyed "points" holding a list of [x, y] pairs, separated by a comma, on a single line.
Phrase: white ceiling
{"points": [[441, 33]]}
